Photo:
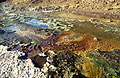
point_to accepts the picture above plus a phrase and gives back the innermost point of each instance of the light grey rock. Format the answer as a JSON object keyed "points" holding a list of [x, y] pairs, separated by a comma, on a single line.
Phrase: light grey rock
{"points": [[3, 48], [12, 67]]}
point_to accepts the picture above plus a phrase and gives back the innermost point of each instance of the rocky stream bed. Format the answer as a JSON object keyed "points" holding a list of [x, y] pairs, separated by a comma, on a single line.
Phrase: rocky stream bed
{"points": [[34, 44]]}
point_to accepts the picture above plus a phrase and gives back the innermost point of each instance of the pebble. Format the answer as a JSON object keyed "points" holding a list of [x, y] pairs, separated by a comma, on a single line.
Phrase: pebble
{"points": [[95, 38], [52, 68], [49, 59], [3, 48]]}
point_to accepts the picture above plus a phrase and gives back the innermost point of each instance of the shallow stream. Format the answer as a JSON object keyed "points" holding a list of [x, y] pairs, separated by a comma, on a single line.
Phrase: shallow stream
{"points": [[59, 35]]}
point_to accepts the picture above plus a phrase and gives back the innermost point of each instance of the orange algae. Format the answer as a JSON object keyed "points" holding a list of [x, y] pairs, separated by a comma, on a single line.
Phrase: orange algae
{"points": [[67, 42], [86, 43], [82, 42], [88, 68], [71, 41]]}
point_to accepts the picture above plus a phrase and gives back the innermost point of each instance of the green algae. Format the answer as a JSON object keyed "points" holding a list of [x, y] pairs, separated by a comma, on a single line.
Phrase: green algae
{"points": [[107, 68], [116, 7], [98, 30]]}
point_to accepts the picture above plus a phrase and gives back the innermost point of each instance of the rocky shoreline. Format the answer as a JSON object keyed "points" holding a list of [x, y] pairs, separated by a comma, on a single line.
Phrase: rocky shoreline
{"points": [[12, 67], [98, 14], [95, 9]]}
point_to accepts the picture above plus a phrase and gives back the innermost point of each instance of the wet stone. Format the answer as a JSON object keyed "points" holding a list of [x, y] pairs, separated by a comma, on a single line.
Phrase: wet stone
{"points": [[1, 31], [39, 61], [64, 61]]}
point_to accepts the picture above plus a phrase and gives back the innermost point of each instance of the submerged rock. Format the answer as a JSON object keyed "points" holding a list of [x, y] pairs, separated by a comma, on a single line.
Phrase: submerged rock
{"points": [[1, 31]]}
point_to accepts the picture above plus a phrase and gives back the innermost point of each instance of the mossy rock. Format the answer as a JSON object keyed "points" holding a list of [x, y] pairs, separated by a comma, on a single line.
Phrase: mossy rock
{"points": [[98, 7], [37, 7], [64, 6], [116, 7], [57, 7], [72, 6]]}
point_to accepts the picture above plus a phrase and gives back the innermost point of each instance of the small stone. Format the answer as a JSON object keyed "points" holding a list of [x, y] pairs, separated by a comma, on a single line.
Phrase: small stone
{"points": [[3, 48], [95, 38], [44, 69], [42, 54], [52, 68], [46, 64], [112, 0], [49, 59], [110, 20]]}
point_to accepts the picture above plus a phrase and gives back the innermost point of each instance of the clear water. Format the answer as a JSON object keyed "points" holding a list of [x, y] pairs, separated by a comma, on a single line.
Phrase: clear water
{"points": [[37, 23], [33, 22], [12, 28]]}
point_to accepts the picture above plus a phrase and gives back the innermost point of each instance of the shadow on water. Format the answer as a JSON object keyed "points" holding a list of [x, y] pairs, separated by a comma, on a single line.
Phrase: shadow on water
{"points": [[2, 1]]}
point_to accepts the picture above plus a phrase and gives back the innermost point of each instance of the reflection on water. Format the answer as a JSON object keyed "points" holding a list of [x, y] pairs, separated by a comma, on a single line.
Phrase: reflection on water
{"points": [[12, 28], [38, 23], [33, 22]]}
